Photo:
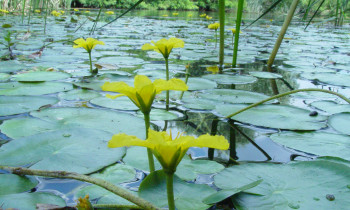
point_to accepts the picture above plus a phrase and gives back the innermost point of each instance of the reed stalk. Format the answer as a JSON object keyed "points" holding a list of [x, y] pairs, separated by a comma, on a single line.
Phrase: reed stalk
{"points": [[238, 28]]}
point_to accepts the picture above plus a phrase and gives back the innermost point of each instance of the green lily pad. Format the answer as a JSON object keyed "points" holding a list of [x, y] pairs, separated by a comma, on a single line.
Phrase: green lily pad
{"points": [[265, 75], [107, 120], [187, 196], [95, 85], [232, 96], [340, 122], [230, 79], [10, 183], [122, 103], [11, 66], [161, 114], [41, 88], [137, 158], [198, 103], [4, 77], [68, 150], [200, 84], [329, 78], [29, 201], [318, 143], [274, 116], [331, 107], [122, 61], [40, 76], [10, 105], [295, 185], [223, 194], [115, 174], [79, 94]]}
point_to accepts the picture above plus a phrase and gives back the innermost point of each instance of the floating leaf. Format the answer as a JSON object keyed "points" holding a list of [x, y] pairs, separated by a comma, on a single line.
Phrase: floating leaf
{"points": [[40, 76], [318, 143], [295, 185], [200, 84], [68, 150], [233, 96], [331, 107], [79, 94], [275, 116], [10, 105], [122, 103], [340, 122], [10, 183], [230, 79], [41, 88], [187, 196], [161, 114], [265, 75]]}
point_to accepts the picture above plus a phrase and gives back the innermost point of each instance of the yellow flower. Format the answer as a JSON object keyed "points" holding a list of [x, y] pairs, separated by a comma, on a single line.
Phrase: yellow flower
{"points": [[164, 46], [37, 11], [142, 95], [168, 151], [213, 69], [62, 12], [88, 45], [208, 17], [190, 15], [76, 10], [165, 15], [110, 13], [175, 14], [4, 11], [203, 15], [55, 13], [87, 11], [84, 203], [214, 26], [234, 30]]}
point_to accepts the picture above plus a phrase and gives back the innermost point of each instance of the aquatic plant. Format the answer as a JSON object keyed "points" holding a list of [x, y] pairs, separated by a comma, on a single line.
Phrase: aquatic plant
{"points": [[109, 12], [8, 44], [169, 151], [215, 26], [88, 44], [142, 95], [165, 46]]}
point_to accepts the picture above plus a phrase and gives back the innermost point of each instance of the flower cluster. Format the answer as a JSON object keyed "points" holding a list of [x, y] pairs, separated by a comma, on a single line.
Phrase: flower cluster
{"points": [[55, 13], [214, 26]]}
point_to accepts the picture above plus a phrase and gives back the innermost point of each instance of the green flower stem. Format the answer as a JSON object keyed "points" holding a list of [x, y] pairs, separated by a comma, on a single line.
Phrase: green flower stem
{"points": [[285, 94], [149, 151], [170, 190], [222, 32], [99, 182], [216, 38], [90, 62], [186, 80], [167, 78], [238, 29], [115, 206], [282, 32]]}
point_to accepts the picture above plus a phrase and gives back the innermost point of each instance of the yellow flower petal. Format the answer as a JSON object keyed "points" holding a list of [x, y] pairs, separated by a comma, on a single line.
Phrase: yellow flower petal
{"points": [[148, 47], [164, 46], [216, 142], [172, 84], [122, 140]]}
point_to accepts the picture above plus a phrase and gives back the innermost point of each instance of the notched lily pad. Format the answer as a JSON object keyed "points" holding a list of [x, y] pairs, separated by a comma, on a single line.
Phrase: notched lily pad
{"points": [[40, 76], [230, 79], [331, 107], [41, 88], [340, 122], [275, 116]]}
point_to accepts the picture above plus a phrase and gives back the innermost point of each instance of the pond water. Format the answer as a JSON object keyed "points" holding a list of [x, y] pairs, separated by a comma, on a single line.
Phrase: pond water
{"points": [[70, 102]]}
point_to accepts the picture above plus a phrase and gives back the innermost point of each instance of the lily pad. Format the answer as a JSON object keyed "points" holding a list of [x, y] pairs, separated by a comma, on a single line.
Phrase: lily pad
{"points": [[41, 88], [230, 79], [29, 201], [295, 185], [79, 94], [10, 183], [115, 174], [122, 61], [10, 105], [107, 120], [331, 107], [232, 96], [122, 103], [340, 122], [329, 78], [40, 76], [274, 116], [11, 66], [187, 196], [161, 114], [265, 75], [137, 158], [4, 77], [318, 143], [198, 103], [200, 83], [68, 150]]}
